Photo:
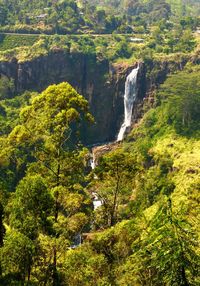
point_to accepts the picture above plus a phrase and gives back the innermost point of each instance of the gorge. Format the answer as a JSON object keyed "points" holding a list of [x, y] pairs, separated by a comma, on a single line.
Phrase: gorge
{"points": [[99, 142], [105, 93]]}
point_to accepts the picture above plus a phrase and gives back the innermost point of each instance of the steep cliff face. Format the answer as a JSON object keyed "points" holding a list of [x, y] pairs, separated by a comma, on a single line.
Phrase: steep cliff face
{"points": [[151, 75], [99, 81], [94, 79]]}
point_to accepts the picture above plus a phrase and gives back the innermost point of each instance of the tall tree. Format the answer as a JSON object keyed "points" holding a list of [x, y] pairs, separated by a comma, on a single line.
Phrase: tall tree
{"points": [[113, 183], [181, 98], [166, 253], [48, 130]]}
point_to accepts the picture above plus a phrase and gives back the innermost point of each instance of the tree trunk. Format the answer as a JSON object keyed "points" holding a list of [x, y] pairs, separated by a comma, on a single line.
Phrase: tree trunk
{"points": [[2, 232], [29, 272], [55, 273], [113, 211], [183, 276]]}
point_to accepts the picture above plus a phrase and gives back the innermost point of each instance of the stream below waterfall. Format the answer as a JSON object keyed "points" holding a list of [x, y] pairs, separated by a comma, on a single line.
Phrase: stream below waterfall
{"points": [[129, 99], [95, 199]]}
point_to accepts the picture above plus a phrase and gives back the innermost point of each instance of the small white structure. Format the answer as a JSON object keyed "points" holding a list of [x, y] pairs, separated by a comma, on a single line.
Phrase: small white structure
{"points": [[42, 16], [136, 40]]}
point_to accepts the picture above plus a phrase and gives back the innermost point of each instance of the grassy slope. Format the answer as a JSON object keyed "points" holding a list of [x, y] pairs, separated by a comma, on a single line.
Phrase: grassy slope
{"points": [[8, 42]]}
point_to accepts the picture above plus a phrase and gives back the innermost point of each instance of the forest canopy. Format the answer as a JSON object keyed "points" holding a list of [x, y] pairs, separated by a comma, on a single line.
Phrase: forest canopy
{"points": [[75, 210]]}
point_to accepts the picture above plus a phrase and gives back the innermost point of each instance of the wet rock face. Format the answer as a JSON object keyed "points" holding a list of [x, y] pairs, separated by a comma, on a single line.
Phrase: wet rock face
{"points": [[100, 82], [96, 80]]}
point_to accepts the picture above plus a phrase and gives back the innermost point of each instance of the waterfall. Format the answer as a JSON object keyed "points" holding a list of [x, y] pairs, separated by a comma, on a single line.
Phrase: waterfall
{"points": [[129, 98], [92, 161], [76, 241], [96, 201]]}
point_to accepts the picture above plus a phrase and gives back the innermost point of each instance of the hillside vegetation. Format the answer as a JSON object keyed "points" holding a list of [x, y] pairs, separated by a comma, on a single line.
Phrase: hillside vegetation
{"points": [[154, 178], [96, 16], [145, 231], [137, 29]]}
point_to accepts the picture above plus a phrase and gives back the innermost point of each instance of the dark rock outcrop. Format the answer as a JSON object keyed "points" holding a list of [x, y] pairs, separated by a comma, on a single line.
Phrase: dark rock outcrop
{"points": [[99, 81]]}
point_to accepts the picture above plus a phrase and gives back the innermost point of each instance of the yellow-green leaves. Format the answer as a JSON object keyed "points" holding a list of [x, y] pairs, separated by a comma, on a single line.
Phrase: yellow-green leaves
{"points": [[19, 135], [54, 110]]}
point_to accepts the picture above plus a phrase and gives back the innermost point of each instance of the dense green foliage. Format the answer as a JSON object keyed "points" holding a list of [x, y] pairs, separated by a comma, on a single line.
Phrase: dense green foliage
{"points": [[160, 42], [42, 145], [135, 29], [146, 229], [96, 16], [156, 239]]}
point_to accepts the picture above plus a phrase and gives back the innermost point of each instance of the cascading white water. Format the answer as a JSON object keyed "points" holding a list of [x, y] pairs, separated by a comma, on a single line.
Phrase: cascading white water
{"points": [[129, 98], [92, 162], [96, 201]]}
